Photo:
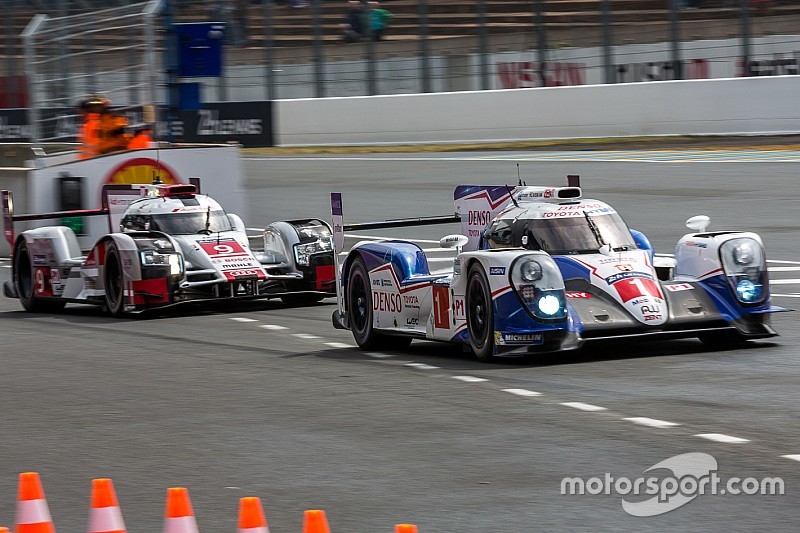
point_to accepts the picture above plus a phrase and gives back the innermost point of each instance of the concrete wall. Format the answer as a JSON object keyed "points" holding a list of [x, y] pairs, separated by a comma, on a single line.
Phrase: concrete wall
{"points": [[724, 106]]}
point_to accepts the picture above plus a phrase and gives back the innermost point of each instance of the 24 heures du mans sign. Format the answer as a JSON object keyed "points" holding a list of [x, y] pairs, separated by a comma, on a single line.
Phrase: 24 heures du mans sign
{"points": [[248, 123]]}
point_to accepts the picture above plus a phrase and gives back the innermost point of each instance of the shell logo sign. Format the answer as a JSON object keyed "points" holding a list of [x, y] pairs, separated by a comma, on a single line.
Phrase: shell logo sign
{"points": [[141, 170]]}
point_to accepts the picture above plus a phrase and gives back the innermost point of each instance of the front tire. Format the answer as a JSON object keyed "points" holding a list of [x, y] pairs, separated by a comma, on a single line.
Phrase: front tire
{"points": [[480, 314], [24, 280], [114, 281]]}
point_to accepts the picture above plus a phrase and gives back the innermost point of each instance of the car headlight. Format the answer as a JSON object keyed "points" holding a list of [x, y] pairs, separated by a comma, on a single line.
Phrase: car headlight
{"points": [[153, 258], [549, 305], [539, 285], [303, 252], [744, 252], [745, 266], [530, 270]]}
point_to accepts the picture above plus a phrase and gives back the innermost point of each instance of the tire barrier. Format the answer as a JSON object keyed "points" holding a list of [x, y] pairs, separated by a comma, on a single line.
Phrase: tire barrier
{"points": [[105, 514]]}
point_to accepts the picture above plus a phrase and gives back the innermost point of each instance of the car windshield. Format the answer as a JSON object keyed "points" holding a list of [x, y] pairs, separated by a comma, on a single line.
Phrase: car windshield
{"points": [[188, 223], [580, 234]]}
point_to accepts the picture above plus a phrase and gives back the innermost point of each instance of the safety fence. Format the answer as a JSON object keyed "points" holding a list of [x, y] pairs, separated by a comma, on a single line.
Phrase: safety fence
{"points": [[105, 513], [274, 51]]}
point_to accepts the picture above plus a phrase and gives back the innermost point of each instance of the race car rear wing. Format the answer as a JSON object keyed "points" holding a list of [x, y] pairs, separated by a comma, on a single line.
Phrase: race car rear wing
{"points": [[9, 218]]}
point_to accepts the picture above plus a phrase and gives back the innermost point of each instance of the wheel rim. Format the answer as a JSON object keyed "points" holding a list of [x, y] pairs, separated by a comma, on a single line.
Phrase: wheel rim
{"points": [[23, 273], [358, 302], [478, 311], [113, 280]]}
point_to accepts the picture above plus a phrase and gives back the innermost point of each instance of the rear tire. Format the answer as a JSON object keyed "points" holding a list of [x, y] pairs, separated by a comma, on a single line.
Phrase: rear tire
{"points": [[114, 281], [24, 283], [359, 312], [480, 314], [299, 300]]}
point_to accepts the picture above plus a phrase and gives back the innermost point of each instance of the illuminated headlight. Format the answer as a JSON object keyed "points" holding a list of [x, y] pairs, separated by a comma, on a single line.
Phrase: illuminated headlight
{"points": [[549, 305], [153, 258], [744, 252], [530, 270], [748, 291], [745, 265], [303, 252]]}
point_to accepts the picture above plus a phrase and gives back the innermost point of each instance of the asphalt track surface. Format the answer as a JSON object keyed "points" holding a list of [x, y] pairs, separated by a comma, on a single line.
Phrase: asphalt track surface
{"points": [[271, 401]]}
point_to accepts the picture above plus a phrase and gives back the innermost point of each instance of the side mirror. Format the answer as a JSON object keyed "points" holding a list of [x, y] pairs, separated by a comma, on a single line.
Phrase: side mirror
{"points": [[698, 223], [236, 223], [453, 241]]}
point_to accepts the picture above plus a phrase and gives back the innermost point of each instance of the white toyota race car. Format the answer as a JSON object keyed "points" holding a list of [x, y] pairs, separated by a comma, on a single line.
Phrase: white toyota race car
{"points": [[542, 269], [174, 246]]}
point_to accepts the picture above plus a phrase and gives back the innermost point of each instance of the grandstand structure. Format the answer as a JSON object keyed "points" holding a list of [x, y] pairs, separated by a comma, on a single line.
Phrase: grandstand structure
{"points": [[278, 33]]}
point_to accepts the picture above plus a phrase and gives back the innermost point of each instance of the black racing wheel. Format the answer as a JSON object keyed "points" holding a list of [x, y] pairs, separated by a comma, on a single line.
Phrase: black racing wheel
{"points": [[25, 281], [480, 314], [359, 312], [114, 281]]}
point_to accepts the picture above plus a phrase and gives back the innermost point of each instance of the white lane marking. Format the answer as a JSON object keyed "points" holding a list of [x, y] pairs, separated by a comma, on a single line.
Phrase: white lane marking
{"points": [[439, 259], [784, 269], [6, 266], [339, 345], [242, 319], [783, 262], [356, 236], [378, 355], [584, 406], [305, 336], [651, 422], [719, 437], [793, 457], [795, 281], [470, 379], [523, 392], [272, 327], [422, 366], [787, 295]]}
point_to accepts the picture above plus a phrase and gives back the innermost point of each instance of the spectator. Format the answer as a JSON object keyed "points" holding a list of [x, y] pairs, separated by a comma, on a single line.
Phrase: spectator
{"points": [[87, 131], [378, 19], [353, 27], [109, 135], [142, 139]]}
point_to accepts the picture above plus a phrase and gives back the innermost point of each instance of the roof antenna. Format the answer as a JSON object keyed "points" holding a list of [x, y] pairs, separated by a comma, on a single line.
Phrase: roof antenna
{"points": [[519, 178], [511, 195]]}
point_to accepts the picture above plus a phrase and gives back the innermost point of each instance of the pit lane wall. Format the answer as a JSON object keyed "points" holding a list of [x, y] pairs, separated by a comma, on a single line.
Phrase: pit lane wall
{"points": [[749, 106], [34, 177]]}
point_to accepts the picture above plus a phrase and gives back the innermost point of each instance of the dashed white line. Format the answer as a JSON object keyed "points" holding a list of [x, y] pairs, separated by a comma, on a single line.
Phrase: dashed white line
{"points": [[793, 457], [651, 422], [6, 266], [242, 319], [470, 379], [339, 345], [272, 327], [584, 406], [795, 281], [523, 392], [305, 336], [787, 295], [783, 262], [422, 366], [719, 437], [785, 269], [379, 355]]}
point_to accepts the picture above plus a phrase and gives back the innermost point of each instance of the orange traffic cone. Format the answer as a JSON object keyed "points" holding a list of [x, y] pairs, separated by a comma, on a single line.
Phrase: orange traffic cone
{"points": [[33, 515], [405, 528], [105, 515], [315, 521], [251, 516], [179, 516]]}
